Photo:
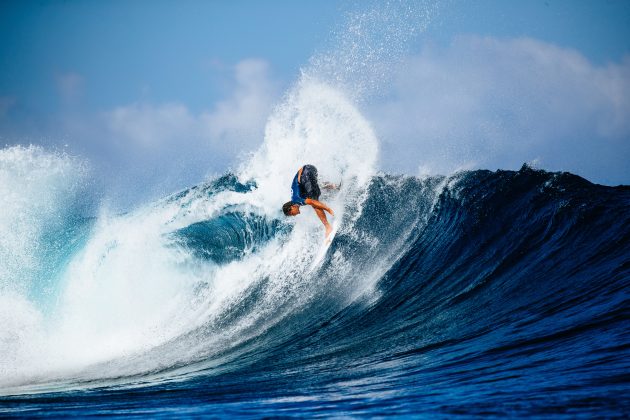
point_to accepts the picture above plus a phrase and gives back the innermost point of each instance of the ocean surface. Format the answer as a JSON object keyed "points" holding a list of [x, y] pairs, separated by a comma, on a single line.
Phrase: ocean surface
{"points": [[475, 293], [481, 293]]}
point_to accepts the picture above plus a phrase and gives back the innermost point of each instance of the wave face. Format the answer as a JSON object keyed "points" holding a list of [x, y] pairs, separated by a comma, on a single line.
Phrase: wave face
{"points": [[483, 293]]}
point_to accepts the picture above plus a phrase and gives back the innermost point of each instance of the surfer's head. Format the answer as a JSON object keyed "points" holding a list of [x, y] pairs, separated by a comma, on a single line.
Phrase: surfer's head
{"points": [[290, 209]]}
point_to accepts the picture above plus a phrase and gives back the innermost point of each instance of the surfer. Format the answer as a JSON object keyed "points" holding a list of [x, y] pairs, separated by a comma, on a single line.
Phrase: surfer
{"points": [[305, 191]]}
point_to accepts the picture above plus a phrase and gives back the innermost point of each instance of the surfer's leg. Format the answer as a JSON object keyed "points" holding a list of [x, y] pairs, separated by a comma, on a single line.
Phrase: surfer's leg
{"points": [[322, 216]]}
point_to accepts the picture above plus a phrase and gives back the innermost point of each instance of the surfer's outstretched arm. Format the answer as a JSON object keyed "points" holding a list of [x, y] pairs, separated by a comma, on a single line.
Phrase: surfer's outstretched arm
{"points": [[319, 205]]}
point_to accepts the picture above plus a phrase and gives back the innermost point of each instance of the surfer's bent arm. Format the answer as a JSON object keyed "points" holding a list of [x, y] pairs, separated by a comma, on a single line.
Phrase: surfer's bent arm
{"points": [[318, 205]]}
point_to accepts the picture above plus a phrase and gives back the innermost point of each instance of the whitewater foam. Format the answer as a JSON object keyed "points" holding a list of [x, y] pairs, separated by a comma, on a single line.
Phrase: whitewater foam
{"points": [[132, 299], [132, 289]]}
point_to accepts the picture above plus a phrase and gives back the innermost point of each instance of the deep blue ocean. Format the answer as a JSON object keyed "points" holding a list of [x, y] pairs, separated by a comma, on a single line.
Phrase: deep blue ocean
{"points": [[483, 294]]}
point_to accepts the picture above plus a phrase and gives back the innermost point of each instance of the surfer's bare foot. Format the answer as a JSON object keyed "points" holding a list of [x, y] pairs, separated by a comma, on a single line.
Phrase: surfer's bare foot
{"points": [[328, 232]]}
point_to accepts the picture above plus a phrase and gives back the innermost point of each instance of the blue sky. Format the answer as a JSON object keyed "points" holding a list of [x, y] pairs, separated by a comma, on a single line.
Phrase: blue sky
{"points": [[166, 49], [489, 83]]}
